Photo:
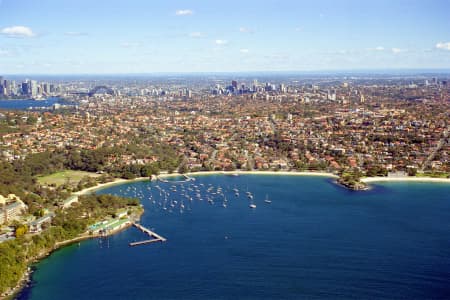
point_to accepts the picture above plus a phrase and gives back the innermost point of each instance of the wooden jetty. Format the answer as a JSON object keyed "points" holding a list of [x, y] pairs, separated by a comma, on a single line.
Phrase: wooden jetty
{"points": [[145, 242], [155, 237], [186, 179]]}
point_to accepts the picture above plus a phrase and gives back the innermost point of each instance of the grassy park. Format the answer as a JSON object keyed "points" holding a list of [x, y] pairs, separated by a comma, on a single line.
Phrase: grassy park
{"points": [[67, 176]]}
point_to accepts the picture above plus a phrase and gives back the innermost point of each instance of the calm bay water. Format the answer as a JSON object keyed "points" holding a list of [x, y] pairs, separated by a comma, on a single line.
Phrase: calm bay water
{"points": [[315, 240], [27, 103]]}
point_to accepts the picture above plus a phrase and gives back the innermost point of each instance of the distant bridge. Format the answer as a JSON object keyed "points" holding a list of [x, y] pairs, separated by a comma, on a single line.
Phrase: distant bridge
{"points": [[104, 88]]}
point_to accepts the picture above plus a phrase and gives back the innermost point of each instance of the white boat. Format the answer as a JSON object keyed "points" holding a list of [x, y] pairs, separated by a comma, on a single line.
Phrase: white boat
{"points": [[252, 205], [267, 199]]}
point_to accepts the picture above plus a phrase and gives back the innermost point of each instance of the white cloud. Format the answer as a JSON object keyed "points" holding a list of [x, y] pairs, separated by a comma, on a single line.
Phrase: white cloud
{"points": [[17, 31], [184, 12], [298, 29], [246, 30], [196, 35], [379, 48], [4, 52], [244, 51], [398, 50], [443, 46], [221, 42]]}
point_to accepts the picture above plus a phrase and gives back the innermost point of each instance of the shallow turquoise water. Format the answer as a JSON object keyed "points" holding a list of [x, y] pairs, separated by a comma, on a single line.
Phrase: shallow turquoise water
{"points": [[315, 240]]}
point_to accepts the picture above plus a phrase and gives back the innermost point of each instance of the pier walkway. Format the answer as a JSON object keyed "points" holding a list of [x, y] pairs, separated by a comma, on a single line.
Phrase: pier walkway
{"points": [[186, 179], [155, 237]]}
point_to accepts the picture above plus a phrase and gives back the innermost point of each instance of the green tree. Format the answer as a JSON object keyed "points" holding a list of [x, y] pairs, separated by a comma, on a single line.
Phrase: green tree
{"points": [[21, 230]]}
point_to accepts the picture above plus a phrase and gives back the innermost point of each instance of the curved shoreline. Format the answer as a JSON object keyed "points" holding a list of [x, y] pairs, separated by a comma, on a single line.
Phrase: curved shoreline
{"points": [[116, 181], [119, 181], [280, 173], [26, 279], [405, 179]]}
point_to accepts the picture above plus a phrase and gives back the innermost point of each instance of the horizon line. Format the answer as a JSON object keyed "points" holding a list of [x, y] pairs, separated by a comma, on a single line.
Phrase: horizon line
{"points": [[324, 71]]}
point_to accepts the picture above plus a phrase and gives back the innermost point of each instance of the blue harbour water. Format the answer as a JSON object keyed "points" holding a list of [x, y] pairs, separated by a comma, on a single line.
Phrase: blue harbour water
{"points": [[27, 103], [315, 240]]}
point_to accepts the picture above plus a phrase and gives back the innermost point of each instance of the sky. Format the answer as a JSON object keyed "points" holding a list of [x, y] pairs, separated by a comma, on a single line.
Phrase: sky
{"points": [[152, 36]]}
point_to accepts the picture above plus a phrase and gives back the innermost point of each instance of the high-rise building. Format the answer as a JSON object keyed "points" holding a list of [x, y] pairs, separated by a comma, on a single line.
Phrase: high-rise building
{"points": [[234, 84], [6, 87], [255, 85], [362, 99], [2, 87], [13, 88], [46, 88], [331, 95], [25, 88], [33, 88]]}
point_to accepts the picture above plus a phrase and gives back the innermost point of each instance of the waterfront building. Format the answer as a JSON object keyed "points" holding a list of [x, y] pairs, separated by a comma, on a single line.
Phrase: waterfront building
{"points": [[36, 225], [12, 207]]}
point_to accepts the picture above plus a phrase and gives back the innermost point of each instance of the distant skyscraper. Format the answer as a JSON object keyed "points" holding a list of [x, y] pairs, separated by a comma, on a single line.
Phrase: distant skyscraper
{"points": [[234, 84], [25, 88], [2, 87], [46, 88], [13, 88], [6, 87], [362, 99], [331, 95], [33, 88]]}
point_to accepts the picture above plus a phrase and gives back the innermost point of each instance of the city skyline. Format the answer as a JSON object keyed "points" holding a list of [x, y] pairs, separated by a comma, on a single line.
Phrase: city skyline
{"points": [[105, 37]]}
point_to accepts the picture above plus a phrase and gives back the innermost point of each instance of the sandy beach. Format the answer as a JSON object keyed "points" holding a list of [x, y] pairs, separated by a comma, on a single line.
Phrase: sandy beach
{"points": [[281, 173], [202, 173], [239, 172], [405, 179], [228, 173], [107, 184]]}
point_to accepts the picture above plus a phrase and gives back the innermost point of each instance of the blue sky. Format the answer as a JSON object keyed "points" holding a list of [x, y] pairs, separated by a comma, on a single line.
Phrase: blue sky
{"points": [[145, 36]]}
